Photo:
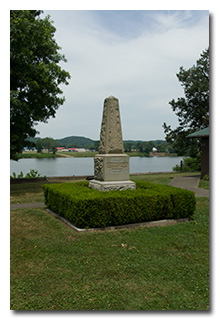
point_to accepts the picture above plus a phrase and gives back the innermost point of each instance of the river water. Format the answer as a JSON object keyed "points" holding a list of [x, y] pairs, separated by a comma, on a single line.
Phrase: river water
{"points": [[85, 166]]}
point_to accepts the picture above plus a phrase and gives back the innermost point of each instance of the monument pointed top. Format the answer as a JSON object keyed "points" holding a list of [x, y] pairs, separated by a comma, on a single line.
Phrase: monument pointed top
{"points": [[111, 133], [111, 170], [112, 97]]}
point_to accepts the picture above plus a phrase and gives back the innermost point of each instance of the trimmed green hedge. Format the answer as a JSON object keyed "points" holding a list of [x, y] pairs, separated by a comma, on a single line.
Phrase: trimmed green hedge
{"points": [[90, 208]]}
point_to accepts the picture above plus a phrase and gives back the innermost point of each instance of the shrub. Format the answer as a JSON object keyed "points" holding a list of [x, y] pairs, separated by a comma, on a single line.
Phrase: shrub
{"points": [[189, 164], [32, 174], [90, 208]]}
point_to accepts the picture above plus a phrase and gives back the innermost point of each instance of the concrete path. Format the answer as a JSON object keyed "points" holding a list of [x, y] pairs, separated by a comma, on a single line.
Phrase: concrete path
{"points": [[27, 205], [189, 183]]}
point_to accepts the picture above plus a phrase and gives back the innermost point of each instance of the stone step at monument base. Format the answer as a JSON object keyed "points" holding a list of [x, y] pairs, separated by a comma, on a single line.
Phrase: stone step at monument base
{"points": [[112, 185]]}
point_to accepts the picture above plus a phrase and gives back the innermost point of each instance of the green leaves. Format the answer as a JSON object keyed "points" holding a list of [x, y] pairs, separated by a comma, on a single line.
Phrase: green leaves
{"points": [[87, 208], [32, 174], [35, 74], [193, 109]]}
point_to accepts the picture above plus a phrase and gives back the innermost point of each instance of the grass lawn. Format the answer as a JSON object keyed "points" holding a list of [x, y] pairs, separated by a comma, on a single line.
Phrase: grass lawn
{"points": [[26, 192], [204, 184], [162, 178], [159, 268]]}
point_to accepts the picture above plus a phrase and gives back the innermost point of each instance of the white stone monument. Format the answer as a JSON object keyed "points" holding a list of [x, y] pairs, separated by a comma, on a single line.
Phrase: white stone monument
{"points": [[111, 171]]}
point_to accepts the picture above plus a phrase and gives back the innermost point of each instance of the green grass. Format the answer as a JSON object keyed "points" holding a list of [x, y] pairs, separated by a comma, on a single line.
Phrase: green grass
{"points": [[159, 268], [26, 192], [204, 184], [161, 178]]}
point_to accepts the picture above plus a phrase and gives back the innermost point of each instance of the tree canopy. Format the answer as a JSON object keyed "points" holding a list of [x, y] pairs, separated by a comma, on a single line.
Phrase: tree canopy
{"points": [[35, 75], [46, 143], [193, 109]]}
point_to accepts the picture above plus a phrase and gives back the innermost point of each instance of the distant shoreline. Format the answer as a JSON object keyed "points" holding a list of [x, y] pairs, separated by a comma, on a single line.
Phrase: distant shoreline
{"points": [[86, 154]]}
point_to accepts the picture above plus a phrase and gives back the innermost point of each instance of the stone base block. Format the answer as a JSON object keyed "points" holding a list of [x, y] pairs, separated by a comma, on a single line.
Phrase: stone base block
{"points": [[111, 167], [112, 185]]}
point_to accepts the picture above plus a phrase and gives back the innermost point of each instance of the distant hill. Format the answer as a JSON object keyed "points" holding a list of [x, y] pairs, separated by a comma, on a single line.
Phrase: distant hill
{"points": [[87, 143], [75, 142]]}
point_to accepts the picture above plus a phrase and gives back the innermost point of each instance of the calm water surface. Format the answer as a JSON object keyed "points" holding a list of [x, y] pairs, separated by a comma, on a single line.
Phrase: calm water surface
{"points": [[85, 166]]}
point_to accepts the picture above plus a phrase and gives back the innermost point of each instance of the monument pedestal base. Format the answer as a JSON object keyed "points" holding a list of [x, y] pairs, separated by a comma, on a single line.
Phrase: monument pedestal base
{"points": [[112, 185]]}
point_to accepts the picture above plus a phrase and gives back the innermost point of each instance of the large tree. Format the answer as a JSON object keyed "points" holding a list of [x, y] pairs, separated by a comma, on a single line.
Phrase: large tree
{"points": [[193, 109], [35, 75]]}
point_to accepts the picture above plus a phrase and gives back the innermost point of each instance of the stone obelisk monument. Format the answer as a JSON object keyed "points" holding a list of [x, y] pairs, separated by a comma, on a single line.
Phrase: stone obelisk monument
{"points": [[111, 170]]}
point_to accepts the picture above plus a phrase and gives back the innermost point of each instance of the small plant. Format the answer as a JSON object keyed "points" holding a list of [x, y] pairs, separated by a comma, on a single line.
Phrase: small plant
{"points": [[19, 176], [189, 164], [13, 175], [32, 174]]}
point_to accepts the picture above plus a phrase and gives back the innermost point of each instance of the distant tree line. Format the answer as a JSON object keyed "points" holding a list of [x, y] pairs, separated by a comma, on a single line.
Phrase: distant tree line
{"points": [[81, 142], [46, 143], [146, 146]]}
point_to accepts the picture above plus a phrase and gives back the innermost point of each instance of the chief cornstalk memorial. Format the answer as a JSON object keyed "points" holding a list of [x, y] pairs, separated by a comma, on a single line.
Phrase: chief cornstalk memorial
{"points": [[111, 165]]}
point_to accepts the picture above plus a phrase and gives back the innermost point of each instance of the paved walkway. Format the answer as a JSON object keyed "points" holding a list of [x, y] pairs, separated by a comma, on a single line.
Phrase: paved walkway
{"points": [[28, 205], [189, 183]]}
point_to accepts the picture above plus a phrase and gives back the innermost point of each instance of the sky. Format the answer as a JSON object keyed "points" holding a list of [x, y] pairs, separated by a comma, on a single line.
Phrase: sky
{"points": [[95, 46], [133, 55]]}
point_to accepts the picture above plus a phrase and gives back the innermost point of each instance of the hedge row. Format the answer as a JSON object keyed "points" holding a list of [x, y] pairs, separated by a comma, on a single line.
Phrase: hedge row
{"points": [[90, 208]]}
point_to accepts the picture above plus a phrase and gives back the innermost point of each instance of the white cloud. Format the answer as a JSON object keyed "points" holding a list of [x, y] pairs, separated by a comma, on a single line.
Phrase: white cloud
{"points": [[107, 56]]}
